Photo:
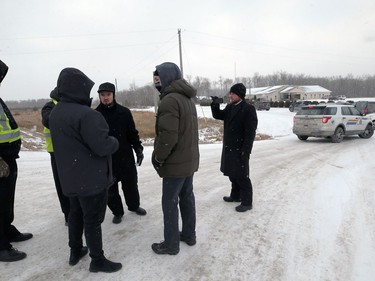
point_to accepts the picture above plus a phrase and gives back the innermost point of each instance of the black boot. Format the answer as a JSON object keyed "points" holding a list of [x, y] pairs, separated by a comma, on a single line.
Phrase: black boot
{"points": [[11, 255], [75, 255], [231, 199], [21, 237], [104, 265], [161, 249], [243, 208], [191, 241]]}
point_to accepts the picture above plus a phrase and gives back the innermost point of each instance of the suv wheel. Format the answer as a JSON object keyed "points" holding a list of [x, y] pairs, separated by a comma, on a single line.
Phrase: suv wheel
{"points": [[369, 131], [302, 138], [338, 136]]}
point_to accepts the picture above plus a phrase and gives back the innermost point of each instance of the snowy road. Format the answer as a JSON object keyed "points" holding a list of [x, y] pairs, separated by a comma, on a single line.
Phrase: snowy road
{"points": [[313, 219]]}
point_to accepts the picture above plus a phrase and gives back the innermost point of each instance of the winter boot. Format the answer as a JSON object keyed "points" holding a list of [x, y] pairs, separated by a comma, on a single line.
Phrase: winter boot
{"points": [[11, 255], [243, 208], [75, 255], [161, 249], [231, 199], [104, 265]]}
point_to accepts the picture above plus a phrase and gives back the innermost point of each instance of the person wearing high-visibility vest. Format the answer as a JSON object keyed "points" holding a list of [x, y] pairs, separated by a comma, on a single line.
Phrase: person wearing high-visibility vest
{"points": [[10, 145], [46, 110]]}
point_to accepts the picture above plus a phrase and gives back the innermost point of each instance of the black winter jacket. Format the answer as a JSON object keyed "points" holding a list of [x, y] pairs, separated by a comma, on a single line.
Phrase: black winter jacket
{"points": [[240, 124], [80, 138], [122, 127]]}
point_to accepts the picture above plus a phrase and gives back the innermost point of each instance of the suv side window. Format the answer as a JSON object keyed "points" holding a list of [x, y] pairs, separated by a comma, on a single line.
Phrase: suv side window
{"points": [[330, 111], [345, 110], [354, 111], [371, 107]]}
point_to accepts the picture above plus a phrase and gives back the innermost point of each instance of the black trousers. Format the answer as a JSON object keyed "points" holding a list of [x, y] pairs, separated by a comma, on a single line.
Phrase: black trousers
{"points": [[178, 191], [131, 194], [7, 194], [64, 200], [86, 215], [242, 189]]}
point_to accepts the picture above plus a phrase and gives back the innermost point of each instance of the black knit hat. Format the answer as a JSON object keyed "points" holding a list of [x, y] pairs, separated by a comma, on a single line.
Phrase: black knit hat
{"points": [[106, 87], [239, 89]]}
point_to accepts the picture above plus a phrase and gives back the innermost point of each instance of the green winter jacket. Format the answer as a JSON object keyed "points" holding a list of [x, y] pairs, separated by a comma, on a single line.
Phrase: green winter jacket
{"points": [[176, 141]]}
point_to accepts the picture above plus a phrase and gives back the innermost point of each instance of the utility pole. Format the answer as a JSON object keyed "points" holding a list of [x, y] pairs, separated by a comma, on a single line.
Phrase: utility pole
{"points": [[116, 89], [179, 44]]}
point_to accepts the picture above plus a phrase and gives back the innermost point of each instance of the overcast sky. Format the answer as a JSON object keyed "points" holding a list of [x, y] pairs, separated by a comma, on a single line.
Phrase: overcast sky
{"points": [[124, 40]]}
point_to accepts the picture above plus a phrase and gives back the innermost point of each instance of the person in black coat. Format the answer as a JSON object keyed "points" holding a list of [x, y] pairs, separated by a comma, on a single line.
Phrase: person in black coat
{"points": [[83, 150], [240, 124], [122, 127], [10, 145]]}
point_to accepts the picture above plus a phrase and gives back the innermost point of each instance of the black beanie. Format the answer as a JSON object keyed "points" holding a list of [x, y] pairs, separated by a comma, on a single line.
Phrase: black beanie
{"points": [[106, 87], [239, 89]]}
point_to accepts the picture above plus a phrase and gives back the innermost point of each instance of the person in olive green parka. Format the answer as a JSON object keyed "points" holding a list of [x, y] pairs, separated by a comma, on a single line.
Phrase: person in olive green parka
{"points": [[176, 156]]}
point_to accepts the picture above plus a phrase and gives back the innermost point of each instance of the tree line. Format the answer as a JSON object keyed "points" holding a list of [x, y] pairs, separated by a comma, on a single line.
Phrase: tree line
{"points": [[350, 86]]}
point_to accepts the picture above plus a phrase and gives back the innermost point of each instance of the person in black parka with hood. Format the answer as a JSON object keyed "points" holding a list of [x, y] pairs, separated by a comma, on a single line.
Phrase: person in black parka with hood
{"points": [[83, 150], [10, 145], [122, 127], [240, 124]]}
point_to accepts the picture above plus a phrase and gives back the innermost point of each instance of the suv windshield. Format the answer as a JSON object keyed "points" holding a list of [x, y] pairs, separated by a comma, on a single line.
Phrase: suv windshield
{"points": [[317, 110]]}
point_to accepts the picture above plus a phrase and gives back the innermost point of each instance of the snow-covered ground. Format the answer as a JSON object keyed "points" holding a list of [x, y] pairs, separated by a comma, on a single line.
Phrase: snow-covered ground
{"points": [[313, 217]]}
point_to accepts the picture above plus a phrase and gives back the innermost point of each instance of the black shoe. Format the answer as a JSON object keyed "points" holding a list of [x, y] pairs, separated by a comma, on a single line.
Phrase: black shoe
{"points": [[191, 241], [76, 256], [11, 255], [117, 219], [104, 265], [140, 211], [243, 208], [161, 249], [230, 199], [21, 237]]}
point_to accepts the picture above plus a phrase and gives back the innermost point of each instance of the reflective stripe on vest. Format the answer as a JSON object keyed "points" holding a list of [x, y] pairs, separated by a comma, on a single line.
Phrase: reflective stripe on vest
{"points": [[7, 134], [47, 135]]}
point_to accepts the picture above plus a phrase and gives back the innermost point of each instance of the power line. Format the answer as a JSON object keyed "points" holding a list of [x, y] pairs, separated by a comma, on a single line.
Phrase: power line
{"points": [[83, 35], [81, 49]]}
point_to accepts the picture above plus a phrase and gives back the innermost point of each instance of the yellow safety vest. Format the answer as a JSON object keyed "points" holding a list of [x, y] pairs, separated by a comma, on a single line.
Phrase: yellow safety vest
{"points": [[7, 134], [47, 135]]}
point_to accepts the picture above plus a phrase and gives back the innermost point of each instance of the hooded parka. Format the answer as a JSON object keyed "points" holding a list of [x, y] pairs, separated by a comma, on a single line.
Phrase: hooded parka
{"points": [[176, 141], [240, 123], [80, 138]]}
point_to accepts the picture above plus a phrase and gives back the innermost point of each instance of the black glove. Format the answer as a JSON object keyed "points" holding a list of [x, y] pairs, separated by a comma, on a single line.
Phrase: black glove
{"points": [[4, 169], [140, 157], [156, 163], [215, 100]]}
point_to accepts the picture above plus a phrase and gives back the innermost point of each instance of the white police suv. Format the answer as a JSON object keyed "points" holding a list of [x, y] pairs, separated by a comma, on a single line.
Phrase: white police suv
{"points": [[331, 120]]}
